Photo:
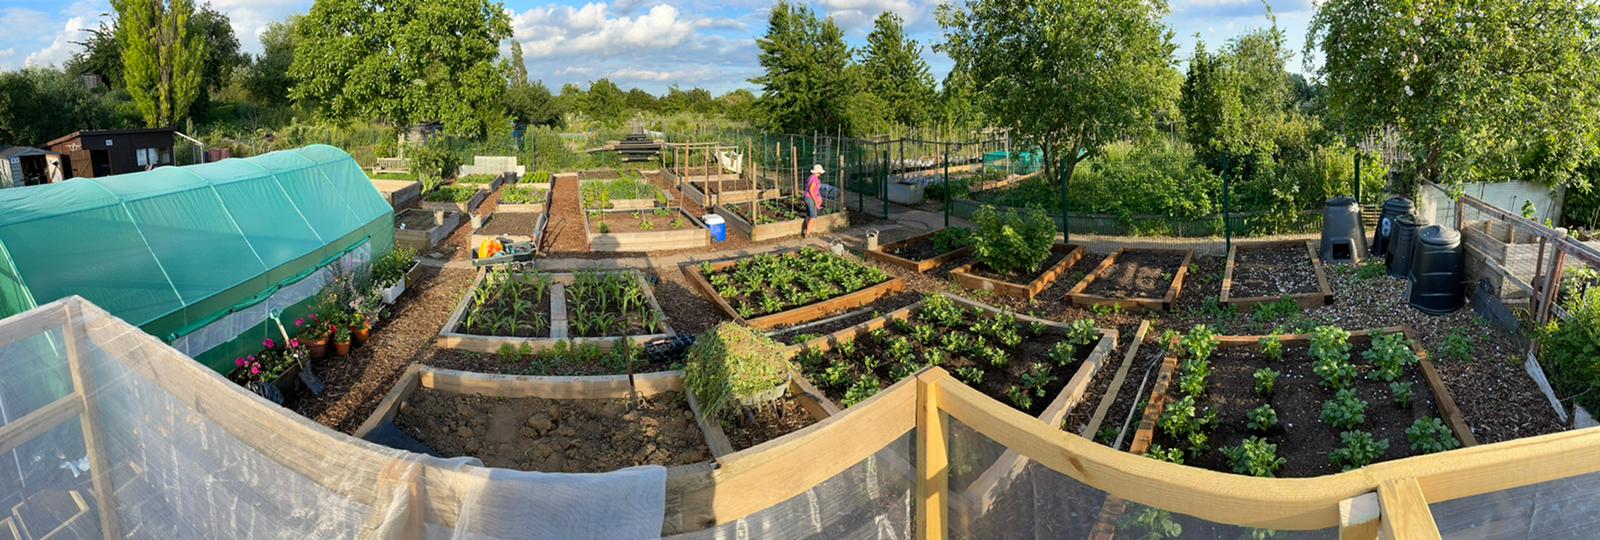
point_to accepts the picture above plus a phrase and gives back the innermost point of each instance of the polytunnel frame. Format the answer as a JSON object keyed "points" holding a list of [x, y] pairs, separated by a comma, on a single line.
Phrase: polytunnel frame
{"points": [[1391, 497]]}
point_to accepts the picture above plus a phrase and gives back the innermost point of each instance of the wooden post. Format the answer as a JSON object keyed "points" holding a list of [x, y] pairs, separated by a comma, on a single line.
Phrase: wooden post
{"points": [[794, 169], [933, 460], [840, 191], [1358, 517], [1552, 286], [94, 441], [1405, 510]]}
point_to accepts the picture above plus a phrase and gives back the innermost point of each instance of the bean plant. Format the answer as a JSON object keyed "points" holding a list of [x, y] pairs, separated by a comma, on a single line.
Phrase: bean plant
{"points": [[1360, 449], [1345, 410], [1429, 435]]}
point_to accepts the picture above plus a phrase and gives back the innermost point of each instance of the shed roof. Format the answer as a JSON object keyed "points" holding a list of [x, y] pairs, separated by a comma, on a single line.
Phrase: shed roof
{"points": [[8, 152]]}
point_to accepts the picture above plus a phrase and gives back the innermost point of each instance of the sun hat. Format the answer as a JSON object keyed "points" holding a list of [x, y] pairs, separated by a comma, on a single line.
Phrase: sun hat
{"points": [[817, 169]]}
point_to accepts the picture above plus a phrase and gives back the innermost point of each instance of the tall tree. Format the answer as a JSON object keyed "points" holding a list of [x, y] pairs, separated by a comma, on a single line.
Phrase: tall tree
{"points": [[222, 49], [737, 104], [163, 56], [1240, 103], [571, 99], [605, 102], [404, 62], [1070, 75], [268, 79], [640, 100], [807, 81], [41, 103], [1476, 89], [893, 70], [528, 102]]}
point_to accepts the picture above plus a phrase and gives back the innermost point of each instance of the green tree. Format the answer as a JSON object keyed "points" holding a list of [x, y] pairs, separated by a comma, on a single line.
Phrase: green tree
{"points": [[640, 100], [1476, 89], [1069, 75], [893, 70], [737, 104], [41, 103], [101, 54], [163, 56], [957, 105], [528, 102], [605, 103], [404, 62], [807, 85], [571, 98], [693, 100], [268, 78], [1240, 103]]}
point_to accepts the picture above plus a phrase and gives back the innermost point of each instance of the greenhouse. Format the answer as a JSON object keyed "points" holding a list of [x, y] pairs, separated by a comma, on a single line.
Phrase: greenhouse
{"points": [[199, 256]]}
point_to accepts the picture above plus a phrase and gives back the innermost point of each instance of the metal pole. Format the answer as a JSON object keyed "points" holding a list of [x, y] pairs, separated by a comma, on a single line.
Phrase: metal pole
{"points": [[1066, 225], [947, 194], [1358, 178], [1227, 224], [884, 192]]}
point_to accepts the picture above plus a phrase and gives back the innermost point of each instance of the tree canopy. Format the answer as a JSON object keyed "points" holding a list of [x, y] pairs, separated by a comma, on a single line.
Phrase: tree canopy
{"points": [[1071, 75], [1477, 90], [163, 57], [528, 102], [268, 78], [807, 82], [41, 103], [404, 62], [893, 70]]}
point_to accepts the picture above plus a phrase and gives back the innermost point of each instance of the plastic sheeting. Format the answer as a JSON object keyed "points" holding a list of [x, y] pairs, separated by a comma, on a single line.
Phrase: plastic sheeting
{"points": [[1563, 509], [182, 453]]}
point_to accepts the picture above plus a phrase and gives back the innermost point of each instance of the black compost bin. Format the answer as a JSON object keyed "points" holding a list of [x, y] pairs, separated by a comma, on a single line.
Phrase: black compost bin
{"points": [[1436, 267], [1343, 239], [1402, 241], [1392, 208]]}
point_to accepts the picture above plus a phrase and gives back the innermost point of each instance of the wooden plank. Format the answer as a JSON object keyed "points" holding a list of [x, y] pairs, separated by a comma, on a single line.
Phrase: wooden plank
{"points": [[1322, 273], [1227, 273], [550, 387], [33, 323], [39, 422], [1405, 513], [1110, 398], [1163, 303], [882, 254], [94, 439], [1359, 517], [1171, 297], [933, 463], [1312, 300], [1094, 274], [390, 406], [965, 276]]}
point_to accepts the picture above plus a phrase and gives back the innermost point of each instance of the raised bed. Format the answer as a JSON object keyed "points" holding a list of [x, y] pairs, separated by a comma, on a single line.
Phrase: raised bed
{"points": [[540, 206], [976, 490], [421, 229], [399, 193], [916, 254], [781, 218], [639, 195], [490, 182], [526, 422], [625, 230], [730, 190], [1135, 279], [514, 225], [1063, 256], [1299, 388], [1503, 255], [1270, 272], [465, 207], [553, 317], [781, 312]]}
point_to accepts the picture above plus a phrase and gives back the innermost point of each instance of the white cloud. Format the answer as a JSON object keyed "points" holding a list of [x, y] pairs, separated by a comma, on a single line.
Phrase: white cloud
{"points": [[589, 30], [857, 15], [60, 49], [680, 76]]}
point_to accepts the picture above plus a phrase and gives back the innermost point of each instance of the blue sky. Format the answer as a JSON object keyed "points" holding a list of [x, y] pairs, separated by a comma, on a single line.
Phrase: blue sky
{"points": [[650, 44]]}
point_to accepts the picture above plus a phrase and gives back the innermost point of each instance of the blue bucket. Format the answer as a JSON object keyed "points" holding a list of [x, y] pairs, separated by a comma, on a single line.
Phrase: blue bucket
{"points": [[718, 227]]}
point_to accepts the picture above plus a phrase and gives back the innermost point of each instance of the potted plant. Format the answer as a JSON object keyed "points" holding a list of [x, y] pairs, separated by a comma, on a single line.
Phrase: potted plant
{"points": [[389, 273], [315, 332], [341, 339]]}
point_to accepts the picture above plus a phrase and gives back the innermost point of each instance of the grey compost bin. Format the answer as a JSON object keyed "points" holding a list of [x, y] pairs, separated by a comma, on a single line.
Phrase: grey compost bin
{"points": [[1343, 239], [1402, 241], [1436, 263], [1392, 208]]}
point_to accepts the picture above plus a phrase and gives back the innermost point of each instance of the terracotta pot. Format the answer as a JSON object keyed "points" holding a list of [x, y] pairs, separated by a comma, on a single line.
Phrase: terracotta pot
{"points": [[317, 349], [360, 336], [341, 348]]}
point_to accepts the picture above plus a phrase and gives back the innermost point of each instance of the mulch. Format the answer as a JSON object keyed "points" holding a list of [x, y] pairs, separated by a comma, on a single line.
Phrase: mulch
{"points": [[564, 234]]}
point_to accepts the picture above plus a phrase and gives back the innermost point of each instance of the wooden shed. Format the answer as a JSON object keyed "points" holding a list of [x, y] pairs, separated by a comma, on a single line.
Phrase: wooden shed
{"points": [[28, 166], [99, 153]]}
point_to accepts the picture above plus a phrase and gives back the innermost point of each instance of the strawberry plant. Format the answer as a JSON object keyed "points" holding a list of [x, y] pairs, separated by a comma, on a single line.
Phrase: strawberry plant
{"points": [[1430, 435], [1360, 449], [1255, 457], [1345, 410], [1390, 354], [1263, 418], [1402, 394], [1266, 381]]}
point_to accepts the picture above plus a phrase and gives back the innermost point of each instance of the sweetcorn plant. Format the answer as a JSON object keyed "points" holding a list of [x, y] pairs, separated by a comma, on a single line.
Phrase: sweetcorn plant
{"points": [[1360, 449], [1013, 242], [1255, 457], [1390, 354], [1429, 435], [1345, 410]]}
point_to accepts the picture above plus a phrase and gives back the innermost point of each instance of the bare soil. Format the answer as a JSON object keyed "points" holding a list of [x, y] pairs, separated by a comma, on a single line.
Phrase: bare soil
{"points": [[510, 223], [546, 435], [767, 422], [1273, 271], [599, 174], [630, 222], [414, 219], [921, 250], [1137, 274], [564, 233], [791, 335]]}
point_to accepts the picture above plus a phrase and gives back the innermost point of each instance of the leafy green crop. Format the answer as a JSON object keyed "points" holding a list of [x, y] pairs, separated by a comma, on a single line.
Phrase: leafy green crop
{"points": [[1200, 343], [1345, 410], [1390, 353], [1255, 457], [1263, 418], [1266, 381], [1430, 435], [1360, 449], [1169, 455], [952, 238], [729, 366], [1402, 394], [1272, 346], [1013, 243]]}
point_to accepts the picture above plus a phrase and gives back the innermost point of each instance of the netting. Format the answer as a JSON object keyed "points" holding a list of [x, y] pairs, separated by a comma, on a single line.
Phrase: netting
{"points": [[1563, 509]]}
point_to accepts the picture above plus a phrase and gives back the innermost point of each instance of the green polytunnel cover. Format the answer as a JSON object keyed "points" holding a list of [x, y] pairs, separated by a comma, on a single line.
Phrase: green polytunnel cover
{"points": [[176, 248]]}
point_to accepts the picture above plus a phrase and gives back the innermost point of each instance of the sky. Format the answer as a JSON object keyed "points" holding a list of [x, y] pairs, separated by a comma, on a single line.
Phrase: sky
{"points": [[648, 44]]}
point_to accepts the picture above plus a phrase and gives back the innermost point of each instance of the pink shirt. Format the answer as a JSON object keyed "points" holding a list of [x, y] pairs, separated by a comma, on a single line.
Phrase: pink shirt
{"points": [[814, 188]]}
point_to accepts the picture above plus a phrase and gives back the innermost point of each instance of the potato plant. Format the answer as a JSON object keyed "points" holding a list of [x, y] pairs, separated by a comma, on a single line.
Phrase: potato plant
{"points": [[765, 284], [1389, 355], [1272, 346], [1345, 410], [1266, 381], [1402, 394], [1430, 435], [1255, 457], [1360, 449], [1169, 455], [1263, 418]]}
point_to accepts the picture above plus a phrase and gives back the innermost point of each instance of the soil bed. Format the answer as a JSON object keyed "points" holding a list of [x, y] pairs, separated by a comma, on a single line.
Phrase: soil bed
{"points": [[777, 210], [764, 285], [979, 269], [599, 174], [767, 422], [516, 307], [413, 219], [1302, 438], [597, 306], [509, 223], [534, 434], [1137, 274], [1272, 271], [877, 309], [630, 222]]}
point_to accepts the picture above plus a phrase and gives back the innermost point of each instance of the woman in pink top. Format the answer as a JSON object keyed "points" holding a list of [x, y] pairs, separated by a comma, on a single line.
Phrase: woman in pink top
{"points": [[813, 198]]}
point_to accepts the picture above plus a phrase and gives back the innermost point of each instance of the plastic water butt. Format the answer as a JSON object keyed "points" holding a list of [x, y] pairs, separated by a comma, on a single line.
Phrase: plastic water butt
{"points": [[1343, 239], [1383, 237], [717, 227], [1402, 241], [1436, 271]]}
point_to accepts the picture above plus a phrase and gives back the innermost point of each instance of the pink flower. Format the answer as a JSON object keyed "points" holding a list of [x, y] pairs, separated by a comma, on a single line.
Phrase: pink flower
{"points": [[269, 343], [252, 359], [313, 316], [294, 343], [255, 370], [299, 323], [239, 362]]}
